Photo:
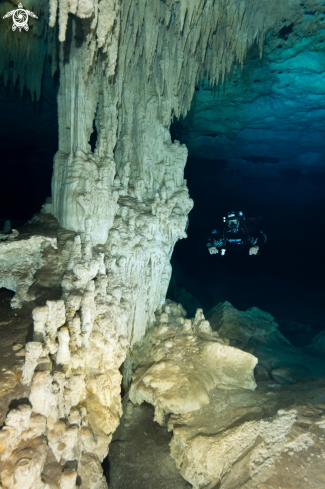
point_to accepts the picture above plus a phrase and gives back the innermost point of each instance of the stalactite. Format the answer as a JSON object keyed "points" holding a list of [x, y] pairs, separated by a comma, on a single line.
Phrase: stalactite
{"points": [[21, 50], [189, 38], [135, 69]]}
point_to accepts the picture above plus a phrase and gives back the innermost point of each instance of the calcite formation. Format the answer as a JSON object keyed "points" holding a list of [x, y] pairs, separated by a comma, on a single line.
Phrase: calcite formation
{"points": [[247, 114], [19, 261], [36, 260], [240, 327], [240, 436], [126, 69], [207, 461], [72, 368], [181, 360], [224, 433], [134, 71]]}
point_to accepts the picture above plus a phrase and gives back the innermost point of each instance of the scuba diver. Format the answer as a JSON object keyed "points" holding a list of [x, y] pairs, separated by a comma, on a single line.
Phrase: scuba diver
{"points": [[235, 235]]}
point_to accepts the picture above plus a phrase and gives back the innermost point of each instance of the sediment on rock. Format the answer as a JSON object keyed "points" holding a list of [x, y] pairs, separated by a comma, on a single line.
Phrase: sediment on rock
{"points": [[180, 360]]}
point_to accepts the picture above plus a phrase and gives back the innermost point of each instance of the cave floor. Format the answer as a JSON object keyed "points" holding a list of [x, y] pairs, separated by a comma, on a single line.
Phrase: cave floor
{"points": [[301, 464], [139, 455]]}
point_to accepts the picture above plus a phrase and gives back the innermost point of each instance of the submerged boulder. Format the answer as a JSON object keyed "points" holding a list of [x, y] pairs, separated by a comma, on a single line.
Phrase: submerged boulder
{"points": [[225, 432], [317, 346], [256, 332], [180, 360]]}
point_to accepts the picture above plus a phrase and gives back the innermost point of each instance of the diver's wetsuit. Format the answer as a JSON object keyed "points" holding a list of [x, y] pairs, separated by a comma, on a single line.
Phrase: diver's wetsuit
{"points": [[236, 239]]}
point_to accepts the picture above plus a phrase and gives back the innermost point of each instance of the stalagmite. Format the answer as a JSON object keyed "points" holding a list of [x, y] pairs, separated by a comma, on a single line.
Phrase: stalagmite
{"points": [[126, 68], [63, 355], [40, 315], [33, 352], [80, 384]]}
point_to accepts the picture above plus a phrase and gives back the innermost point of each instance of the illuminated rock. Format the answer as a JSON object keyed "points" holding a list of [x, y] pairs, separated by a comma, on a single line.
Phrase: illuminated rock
{"points": [[181, 360]]}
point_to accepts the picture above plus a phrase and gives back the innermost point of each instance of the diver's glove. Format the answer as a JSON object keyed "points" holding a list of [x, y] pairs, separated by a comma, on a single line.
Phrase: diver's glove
{"points": [[213, 250], [253, 250]]}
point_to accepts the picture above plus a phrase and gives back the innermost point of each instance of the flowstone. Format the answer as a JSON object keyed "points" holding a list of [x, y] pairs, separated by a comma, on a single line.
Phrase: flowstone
{"points": [[206, 460], [180, 360], [135, 70]]}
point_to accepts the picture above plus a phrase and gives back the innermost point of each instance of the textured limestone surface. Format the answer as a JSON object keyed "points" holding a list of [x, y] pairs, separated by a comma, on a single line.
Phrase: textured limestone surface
{"points": [[36, 260], [181, 360], [209, 459], [239, 327], [130, 68], [243, 437], [143, 444], [60, 434], [79, 341], [234, 434], [126, 68], [255, 331], [19, 261], [136, 68], [72, 382]]}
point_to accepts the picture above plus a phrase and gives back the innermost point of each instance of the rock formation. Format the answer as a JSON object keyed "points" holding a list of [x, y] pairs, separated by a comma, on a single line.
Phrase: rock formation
{"points": [[247, 114], [72, 368], [317, 345], [233, 434], [18, 274], [181, 360], [126, 69], [256, 332]]}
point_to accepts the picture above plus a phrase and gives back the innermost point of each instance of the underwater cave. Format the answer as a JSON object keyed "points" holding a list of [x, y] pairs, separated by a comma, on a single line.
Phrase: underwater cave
{"points": [[161, 244]]}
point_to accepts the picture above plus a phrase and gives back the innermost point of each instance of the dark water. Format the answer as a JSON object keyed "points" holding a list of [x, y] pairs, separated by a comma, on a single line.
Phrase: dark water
{"points": [[287, 278]]}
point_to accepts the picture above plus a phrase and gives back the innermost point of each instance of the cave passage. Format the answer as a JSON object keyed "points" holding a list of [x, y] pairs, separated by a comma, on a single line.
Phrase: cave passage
{"points": [[28, 142], [116, 117], [256, 144], [287, 278]]}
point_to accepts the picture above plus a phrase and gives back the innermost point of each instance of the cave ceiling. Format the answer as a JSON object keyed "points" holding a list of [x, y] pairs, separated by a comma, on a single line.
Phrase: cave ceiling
{"points": [[244, 81], [268, 115]]}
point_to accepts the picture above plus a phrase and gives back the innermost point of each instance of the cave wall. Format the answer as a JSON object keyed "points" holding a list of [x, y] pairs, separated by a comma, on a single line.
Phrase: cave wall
{"points": [[126, 68]]}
